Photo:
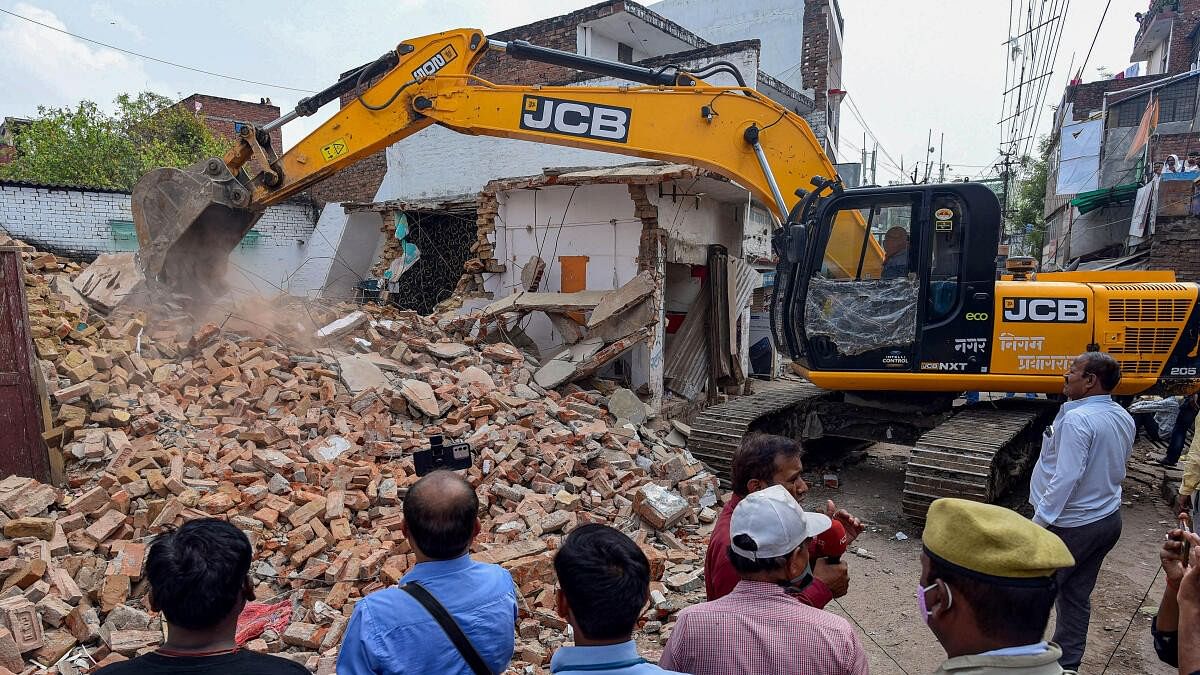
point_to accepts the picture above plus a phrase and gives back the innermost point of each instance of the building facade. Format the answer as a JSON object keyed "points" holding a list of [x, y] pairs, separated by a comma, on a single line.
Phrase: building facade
{"points": [[1113, 138]]}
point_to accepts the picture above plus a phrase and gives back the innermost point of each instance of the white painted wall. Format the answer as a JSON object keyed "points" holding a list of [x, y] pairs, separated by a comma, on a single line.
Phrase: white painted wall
{"points": [[438, 162], [779, 24], [80, 221], [600, 223], [592, 42], [308, 276]]}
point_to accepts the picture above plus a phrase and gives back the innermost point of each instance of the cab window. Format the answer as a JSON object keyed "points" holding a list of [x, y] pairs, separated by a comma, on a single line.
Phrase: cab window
{"points": [[948, 222]]}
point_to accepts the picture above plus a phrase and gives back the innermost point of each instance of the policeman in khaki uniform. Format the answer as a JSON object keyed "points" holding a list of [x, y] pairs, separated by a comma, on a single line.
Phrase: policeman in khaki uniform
{"points": [[987, 586]]}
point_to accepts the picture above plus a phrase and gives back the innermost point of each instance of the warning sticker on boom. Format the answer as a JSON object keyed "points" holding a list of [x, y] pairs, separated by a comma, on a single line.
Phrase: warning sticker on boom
{"points": [[335, 149]]}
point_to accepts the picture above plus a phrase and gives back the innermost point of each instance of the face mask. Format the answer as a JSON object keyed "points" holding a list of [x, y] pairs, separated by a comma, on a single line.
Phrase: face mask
{"points": [[926, 615], [801, 582]]}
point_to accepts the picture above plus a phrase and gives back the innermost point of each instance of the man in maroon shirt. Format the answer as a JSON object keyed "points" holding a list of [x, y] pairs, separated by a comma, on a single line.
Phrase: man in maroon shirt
{"points": [[764, 460]]}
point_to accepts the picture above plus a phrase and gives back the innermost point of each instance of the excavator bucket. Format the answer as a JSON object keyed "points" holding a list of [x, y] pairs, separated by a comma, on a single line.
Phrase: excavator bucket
{"points": [[188, 221]]}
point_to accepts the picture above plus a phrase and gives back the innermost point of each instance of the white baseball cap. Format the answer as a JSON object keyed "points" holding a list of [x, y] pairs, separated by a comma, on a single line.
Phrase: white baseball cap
{"points": [[774, 522]]}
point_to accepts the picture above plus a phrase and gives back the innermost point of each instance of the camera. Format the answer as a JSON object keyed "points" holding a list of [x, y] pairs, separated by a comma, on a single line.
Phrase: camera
{"points": [[438, 455]]}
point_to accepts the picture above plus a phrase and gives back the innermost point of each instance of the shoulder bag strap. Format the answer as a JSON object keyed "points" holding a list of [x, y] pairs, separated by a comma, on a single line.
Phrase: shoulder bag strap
{"points": [[439, 614]]}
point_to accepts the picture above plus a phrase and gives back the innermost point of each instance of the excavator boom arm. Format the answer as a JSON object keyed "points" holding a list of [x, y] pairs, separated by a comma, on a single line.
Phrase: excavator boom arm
{"points": [[735, 132], [690, 123]]}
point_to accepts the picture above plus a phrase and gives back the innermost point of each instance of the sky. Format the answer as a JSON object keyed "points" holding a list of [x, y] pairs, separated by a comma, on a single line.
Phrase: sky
{"points": [[911, 67]]}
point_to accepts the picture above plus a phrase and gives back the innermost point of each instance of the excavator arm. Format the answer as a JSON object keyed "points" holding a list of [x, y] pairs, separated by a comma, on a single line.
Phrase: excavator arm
{"points": [[188, 220]]}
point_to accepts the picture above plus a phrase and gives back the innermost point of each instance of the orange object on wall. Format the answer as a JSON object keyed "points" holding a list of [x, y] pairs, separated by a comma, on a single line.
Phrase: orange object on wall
{"points": [[573, 278], [574, 273]]}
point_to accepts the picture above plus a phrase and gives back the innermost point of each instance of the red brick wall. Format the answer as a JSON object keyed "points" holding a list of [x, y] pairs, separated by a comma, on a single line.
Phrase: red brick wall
{"points": [[219, 114], [1176, 144], [358, 183], [1176, 246], [1089, 98], [814, 64], [1178, 61], [560, 32]]}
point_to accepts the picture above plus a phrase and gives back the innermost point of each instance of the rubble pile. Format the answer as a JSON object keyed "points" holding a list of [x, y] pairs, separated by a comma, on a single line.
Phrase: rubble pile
{"points": [[309, 451]]}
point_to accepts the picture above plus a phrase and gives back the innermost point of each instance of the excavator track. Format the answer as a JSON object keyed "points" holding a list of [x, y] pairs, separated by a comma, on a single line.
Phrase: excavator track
{"points": [[718, 430], [974, 455]]}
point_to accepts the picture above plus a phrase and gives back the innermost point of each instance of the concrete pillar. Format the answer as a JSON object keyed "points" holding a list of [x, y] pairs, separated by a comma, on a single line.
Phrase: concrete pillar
{"points": [[654, 243], [652, 256]]}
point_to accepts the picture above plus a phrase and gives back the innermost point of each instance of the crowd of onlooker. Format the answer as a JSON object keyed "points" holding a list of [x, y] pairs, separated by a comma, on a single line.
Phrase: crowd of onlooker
{"points": [[989, 576]]}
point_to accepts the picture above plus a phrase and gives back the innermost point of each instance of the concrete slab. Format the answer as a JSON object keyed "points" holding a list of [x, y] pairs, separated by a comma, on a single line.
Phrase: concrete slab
{"points": [[615, 302], [448, 351], [585, 349], [421, 396], [109, 281], [359, 373], [554, 373], [342, 326], [626, 405], [476, 375]]}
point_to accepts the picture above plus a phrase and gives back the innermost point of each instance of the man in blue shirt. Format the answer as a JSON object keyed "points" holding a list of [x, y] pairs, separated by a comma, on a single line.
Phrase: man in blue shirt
{"points": [[1076, 489], [390, 633], [603, 586]]}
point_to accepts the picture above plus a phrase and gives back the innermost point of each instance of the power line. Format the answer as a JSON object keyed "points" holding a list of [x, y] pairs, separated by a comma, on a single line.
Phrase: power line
{"points": [[1044, 86], [1098, 27], [861, 120], [152, 58]]}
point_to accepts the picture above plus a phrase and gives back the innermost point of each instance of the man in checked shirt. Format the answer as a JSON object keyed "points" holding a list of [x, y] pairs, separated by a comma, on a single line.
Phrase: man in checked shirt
{"points": [[759, 627]]}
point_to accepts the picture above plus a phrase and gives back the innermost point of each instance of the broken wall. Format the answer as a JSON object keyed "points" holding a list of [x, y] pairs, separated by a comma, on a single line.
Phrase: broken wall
{"points": [[443, 240], [598, 223], [603, 223], [357, 249]]}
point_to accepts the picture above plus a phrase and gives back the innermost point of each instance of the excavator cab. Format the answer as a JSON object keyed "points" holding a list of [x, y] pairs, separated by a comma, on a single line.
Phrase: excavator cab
{"points": [[842, 311]]}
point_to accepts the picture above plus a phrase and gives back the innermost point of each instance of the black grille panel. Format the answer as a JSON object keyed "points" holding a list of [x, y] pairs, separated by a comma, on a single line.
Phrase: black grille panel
{"points": [[1147, 341], [1138, 310]]}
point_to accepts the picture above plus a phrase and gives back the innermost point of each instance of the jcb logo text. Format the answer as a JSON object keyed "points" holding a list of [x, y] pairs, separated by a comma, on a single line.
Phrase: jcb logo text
{"points": [[1046, 310], [575, 118], [943, 366], [436, 63]]}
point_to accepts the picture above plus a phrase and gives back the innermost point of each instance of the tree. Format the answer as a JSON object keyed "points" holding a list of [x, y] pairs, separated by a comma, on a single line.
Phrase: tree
{"points": [[86, 146], [1030, 198]]}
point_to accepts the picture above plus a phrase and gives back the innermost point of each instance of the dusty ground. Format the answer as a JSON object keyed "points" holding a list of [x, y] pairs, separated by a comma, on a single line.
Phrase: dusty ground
{"points": [[882, 593]]}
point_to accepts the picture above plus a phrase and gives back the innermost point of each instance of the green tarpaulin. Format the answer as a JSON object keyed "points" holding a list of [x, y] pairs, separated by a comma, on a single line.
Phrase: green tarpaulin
{"points": [[1096, 199]]}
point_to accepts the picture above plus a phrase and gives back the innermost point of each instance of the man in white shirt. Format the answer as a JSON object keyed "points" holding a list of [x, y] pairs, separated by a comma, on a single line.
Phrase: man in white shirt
{"points": [[1076, 489]]}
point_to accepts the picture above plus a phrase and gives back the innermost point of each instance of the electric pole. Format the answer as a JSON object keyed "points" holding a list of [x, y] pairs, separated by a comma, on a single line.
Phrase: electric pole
{"points": [[928, 152], [941, 157], [862, 169]]}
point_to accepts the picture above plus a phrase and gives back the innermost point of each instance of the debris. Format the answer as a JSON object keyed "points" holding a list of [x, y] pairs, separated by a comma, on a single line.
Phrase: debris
{"points": [[342, 326], [626, 405], [164, 419], [359, 373], [621, 299], [448, 351], [863, 553], [659, 507], [831, 480], [109, 280], [900, 536], [420, 394]]}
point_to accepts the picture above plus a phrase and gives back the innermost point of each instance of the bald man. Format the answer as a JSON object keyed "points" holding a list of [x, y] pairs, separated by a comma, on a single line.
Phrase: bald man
{"points": [[391, 632], [895, 249]]}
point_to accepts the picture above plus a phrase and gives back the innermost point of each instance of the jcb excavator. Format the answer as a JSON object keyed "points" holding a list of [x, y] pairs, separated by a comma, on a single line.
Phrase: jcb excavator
{"points": [[887, 334]]}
